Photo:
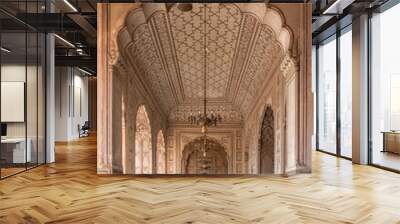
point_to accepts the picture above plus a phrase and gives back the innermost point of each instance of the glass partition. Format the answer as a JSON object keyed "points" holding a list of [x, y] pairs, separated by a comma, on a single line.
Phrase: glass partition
{"points": [[327, 96], [13, 109], [22, 78], [385, 89]]}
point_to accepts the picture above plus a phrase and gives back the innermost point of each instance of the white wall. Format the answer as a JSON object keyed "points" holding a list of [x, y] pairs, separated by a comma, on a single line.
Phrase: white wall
{"points": [[33, 126], [16, 73], [71, 102]]}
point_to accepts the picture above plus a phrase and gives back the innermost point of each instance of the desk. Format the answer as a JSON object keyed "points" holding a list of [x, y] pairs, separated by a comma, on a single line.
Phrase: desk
{"points": [[13, 150], [391, 142]]}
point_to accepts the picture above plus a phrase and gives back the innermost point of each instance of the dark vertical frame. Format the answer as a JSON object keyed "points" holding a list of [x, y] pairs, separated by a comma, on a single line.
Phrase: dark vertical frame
{"points": [[338, 98], [73, 91], [44, 77], [1, 65], [26, 86], [317, 97], [369, 100], [37, 90]]}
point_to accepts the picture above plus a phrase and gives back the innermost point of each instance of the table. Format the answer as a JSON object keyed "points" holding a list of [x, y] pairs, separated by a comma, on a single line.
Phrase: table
{"points": [[13, 150], [391, 141]]}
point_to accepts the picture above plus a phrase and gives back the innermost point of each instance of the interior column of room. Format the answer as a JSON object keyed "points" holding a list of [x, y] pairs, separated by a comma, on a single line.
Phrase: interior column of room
{"points": [[50, 93], [360, 90]]}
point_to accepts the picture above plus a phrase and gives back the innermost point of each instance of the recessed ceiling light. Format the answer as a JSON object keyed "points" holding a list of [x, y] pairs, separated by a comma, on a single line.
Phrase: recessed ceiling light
{"points": [[70, 5], [337, 7], [64, 40], [84, 71], [5, 50]]}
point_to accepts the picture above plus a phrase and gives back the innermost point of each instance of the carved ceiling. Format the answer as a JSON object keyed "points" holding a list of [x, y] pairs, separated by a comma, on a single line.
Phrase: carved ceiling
{"points": [[165, 45]]}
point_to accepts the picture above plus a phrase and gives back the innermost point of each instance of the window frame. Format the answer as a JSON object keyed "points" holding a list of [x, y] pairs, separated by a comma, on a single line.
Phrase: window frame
{"points": [[334, 37]]}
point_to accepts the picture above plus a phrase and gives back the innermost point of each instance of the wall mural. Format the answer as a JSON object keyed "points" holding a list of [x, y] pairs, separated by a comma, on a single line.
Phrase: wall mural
{"points": [[152, 56]]}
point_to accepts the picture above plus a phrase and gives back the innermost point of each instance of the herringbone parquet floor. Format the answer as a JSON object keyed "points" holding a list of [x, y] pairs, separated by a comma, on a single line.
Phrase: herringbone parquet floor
{"points": [[71, 192]]}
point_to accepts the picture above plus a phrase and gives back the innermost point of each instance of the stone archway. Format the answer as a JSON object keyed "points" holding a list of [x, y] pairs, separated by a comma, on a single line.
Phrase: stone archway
{"points": [[267, 142], [194, 162], [143, 148]]}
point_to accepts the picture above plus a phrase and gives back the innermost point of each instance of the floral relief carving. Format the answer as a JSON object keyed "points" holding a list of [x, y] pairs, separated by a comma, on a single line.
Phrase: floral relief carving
{"points": [[261, 61], [112, 53], [288, 67], [248, 29], [169, 46]]}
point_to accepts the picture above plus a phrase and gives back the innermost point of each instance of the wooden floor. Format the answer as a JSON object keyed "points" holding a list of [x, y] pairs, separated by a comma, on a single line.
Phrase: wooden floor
{"points": [[71, 192], [5, 172], [387, 159]]}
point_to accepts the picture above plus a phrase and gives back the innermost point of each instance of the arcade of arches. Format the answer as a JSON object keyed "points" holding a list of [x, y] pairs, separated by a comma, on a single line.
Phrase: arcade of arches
{"points": [[150, 79]]}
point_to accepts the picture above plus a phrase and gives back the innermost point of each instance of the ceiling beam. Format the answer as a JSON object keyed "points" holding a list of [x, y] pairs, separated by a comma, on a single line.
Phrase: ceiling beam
{"points": [[78, 61], [49, 22], [337, 7], [84, 24]]}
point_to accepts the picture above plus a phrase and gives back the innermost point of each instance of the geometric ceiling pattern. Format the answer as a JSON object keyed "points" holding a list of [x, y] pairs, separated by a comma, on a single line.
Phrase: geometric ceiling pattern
{"points": [[244, 42], [222, 28]]}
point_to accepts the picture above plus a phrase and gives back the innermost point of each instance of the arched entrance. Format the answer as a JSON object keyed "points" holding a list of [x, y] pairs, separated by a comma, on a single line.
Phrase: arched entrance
{"points": [[267, 142], [194, 162], [143, 152], [160, 153]]}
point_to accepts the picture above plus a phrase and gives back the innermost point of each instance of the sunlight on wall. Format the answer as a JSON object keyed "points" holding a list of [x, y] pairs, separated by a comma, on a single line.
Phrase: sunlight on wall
{"points": [[143, 153], [160, 154]]}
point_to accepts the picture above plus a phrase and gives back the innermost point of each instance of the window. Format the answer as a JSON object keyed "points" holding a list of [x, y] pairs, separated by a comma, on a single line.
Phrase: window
{"points": [[334, 94], [327, 96], [346, 93], [385, 89]]}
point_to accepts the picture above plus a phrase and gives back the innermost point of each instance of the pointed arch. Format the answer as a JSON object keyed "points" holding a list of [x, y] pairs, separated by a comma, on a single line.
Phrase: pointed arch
{"points": [[267, 142], [214, 162], [160, 154], [143, 147]]}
